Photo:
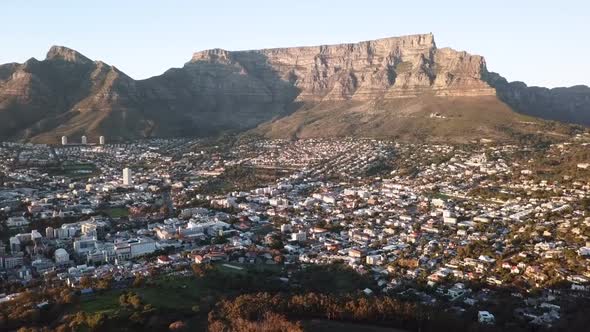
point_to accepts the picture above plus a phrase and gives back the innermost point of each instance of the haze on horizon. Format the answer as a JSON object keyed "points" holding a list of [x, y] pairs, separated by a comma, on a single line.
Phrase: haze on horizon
{"points": [[539, 42]]}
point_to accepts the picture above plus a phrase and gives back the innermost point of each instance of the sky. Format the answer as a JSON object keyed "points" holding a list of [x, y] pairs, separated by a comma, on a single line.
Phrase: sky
{"points": [[544, 43]]}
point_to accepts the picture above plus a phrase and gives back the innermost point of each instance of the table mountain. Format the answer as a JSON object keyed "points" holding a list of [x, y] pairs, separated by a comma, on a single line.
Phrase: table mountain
{"points": [[403, 87]]}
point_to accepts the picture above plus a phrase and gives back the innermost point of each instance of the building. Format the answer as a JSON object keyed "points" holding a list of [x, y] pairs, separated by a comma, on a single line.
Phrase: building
{"points": [[64, 140], [64, 232], [127, 177], [49, 232], [61, 256], [35, 235], [84, 140], [374, 259], [356, 253], [101, 140], [15, 244], [299, 236], [134, 247], [485, 317], [92, 228], [84, 245], [14, 222], [10, 262]]}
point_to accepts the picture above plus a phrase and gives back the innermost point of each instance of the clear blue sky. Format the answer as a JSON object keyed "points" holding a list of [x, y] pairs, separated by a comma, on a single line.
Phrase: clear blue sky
{"points": [[540, 42]]}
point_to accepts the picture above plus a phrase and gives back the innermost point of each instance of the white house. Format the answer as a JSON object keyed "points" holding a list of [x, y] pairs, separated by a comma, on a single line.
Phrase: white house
{"points": [[485, 317], [299, 236], [14, 222], [61, 256]]}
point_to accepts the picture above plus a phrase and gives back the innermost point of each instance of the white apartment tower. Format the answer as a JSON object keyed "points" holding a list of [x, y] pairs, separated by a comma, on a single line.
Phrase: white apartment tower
{"points": [[127, 180], [64, 140], [84, 140], [101, 140]]}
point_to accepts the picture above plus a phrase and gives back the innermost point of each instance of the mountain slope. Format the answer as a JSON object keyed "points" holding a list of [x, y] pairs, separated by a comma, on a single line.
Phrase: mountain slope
{"points": [[403, 87], [66, 94], [562, 104]]}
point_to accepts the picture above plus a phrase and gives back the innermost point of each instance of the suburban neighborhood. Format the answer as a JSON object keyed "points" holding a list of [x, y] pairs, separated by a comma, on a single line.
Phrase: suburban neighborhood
{"points": [[479, 227]]}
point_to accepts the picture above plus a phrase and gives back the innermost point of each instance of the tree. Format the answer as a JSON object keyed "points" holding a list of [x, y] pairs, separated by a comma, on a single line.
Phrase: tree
{"points": [[276, 243], [123, 300], [85, 282], [177, 326], [104, 283], [96, 321], [219, 240], [137, 318], [138, 282], [200, 270], [135, 301], [66, 297]]}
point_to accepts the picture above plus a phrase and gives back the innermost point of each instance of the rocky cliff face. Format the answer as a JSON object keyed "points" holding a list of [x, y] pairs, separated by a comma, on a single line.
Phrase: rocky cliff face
{"points": [[398, 67], [365, 88]]}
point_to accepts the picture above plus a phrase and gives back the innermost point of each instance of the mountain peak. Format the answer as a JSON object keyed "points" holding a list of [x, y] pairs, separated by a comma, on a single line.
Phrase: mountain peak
{"points": [[418, 39], [216, 54], [66, 54]]}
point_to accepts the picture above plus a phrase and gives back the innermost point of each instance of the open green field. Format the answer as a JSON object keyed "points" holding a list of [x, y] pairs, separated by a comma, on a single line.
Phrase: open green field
{"points": [[107, 302], [116, 212], [75, 171], [242, 178], [167, 293], [179, 293], [174, 293]]}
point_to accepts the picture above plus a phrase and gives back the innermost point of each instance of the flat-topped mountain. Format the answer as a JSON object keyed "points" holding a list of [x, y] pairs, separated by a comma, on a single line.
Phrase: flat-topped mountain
{"points": [[389, 68], [403, 87]]}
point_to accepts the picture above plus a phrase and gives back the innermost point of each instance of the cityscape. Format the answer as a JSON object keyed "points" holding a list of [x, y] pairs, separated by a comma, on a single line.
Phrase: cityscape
{"points": [[294, 166], [493, 234]]}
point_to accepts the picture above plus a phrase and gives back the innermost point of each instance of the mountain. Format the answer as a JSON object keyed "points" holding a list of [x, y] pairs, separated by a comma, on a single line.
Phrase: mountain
{"points": [[66, 94], [403, 87], [562, 104]]}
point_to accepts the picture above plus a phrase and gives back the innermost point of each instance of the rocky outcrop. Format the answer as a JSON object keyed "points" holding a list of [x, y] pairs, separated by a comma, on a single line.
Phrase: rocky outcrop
{"points": [[61, 53], [381, 83], [398, 67]]}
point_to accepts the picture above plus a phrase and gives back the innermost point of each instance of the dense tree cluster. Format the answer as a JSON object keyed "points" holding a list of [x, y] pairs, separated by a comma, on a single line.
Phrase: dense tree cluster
{"points": [[28, 308], [384, 311]]}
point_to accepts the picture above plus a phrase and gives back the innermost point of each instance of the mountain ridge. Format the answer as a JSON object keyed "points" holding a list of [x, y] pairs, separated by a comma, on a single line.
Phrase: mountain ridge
{"points": [[235, 91]]}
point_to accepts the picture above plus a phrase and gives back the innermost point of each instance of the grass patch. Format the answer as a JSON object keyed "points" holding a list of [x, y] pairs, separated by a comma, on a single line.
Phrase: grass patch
{"points": [[116, 212], [332, 278], [242, 178], [107, 302], [167, 293], [75, 171], [173, 293], [179, 294]]}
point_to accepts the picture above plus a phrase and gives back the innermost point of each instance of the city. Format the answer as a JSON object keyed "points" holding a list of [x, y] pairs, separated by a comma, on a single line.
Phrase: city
{"points": [[497, 230], [294, 166]]}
